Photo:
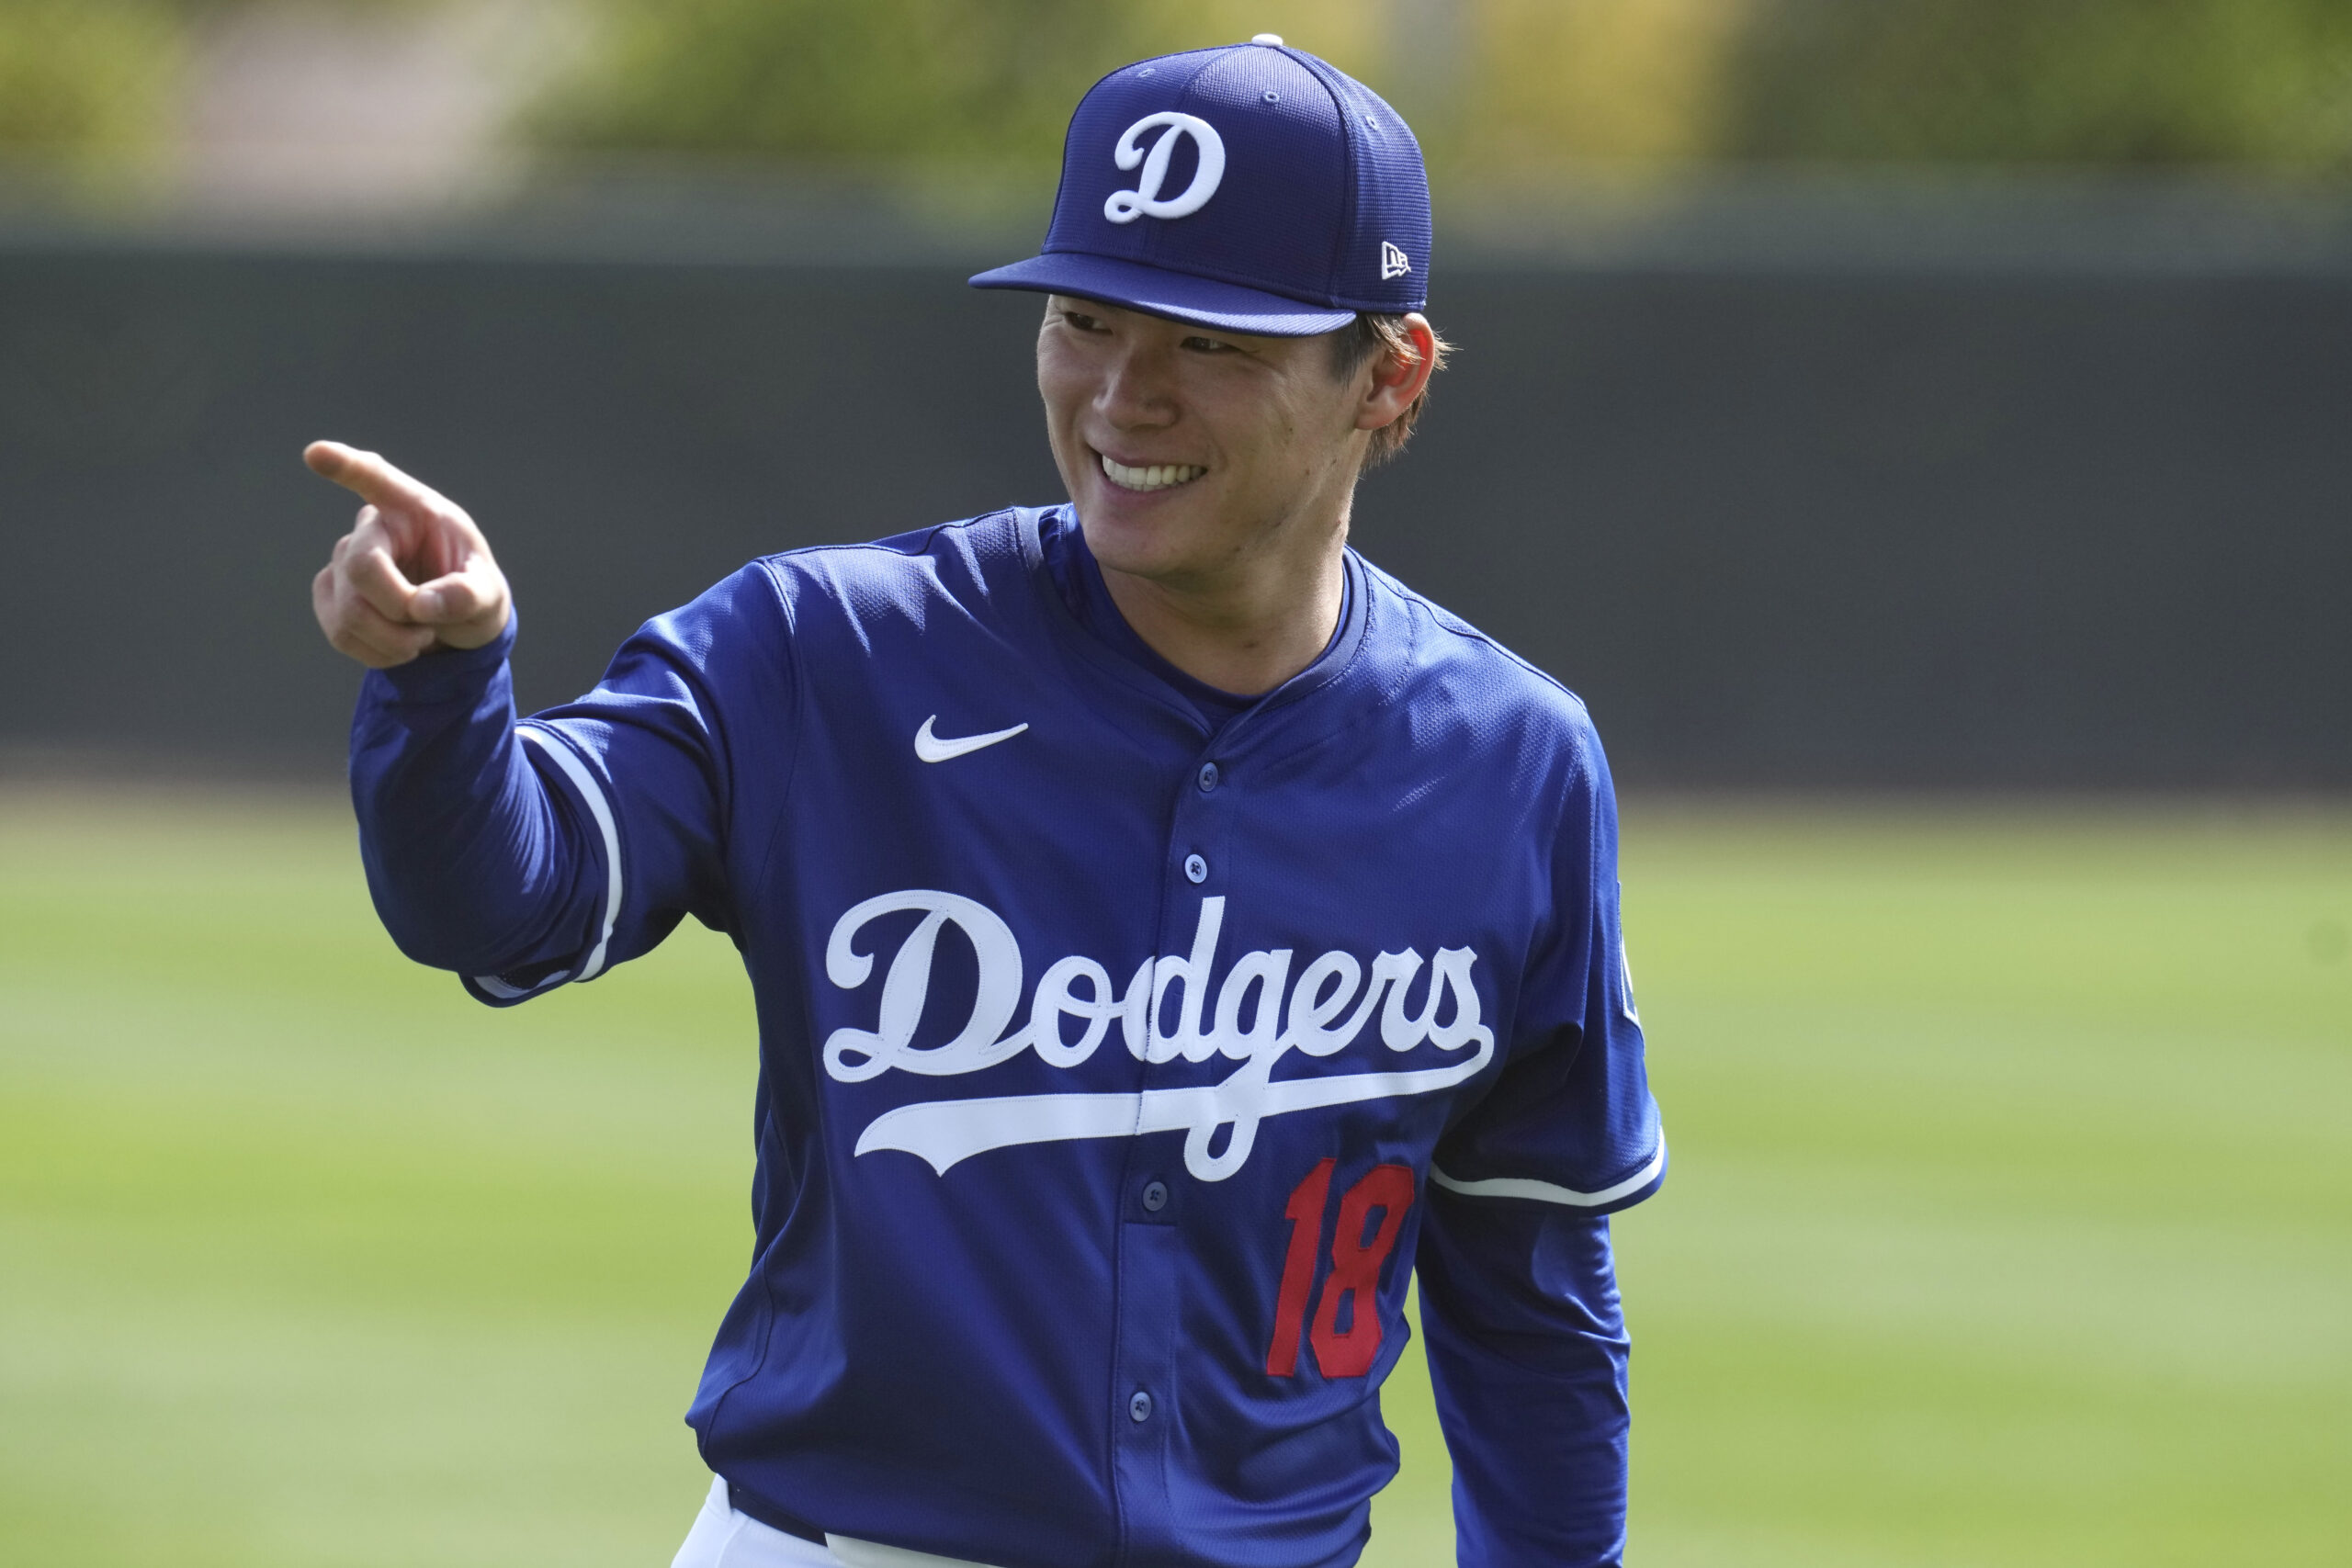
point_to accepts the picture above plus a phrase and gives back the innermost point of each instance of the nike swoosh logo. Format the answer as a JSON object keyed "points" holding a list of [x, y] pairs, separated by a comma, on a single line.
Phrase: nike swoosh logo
{"points": [[932, 749]]}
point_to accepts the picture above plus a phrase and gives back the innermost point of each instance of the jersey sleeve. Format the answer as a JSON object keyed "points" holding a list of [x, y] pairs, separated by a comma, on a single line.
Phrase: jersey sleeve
{"points": [[1520, 1309], [528, 855], [1569, 1121]]}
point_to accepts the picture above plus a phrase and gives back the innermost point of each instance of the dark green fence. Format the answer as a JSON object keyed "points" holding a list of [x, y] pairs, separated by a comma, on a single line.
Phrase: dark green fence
{"points": [[1804, 526]]}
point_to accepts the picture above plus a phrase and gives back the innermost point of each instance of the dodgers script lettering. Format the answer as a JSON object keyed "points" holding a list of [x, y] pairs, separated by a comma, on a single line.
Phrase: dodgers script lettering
{"points": [[1260, 1016]]}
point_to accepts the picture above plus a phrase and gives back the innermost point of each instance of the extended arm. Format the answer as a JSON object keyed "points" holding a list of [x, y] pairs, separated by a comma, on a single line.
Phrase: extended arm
{"points": [[522, 855], [479, 862]]}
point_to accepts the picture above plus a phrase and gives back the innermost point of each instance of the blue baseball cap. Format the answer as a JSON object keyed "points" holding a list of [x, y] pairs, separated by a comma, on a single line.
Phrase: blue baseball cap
{"points": [[1253, 188]]}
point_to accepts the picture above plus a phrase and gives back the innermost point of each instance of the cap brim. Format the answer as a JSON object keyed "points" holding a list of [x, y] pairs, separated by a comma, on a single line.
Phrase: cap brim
{"points": [[1177, 295]]}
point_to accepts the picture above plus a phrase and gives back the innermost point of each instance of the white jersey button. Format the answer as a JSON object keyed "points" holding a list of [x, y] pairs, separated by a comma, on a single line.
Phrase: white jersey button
{"points": [[1195, 869]]}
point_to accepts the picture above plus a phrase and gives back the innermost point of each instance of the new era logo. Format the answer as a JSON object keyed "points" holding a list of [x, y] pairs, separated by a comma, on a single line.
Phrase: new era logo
{"points": [[1391, 262]]}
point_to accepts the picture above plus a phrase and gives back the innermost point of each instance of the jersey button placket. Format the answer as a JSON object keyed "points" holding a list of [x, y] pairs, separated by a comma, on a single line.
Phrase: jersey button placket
{"points": [[1147, 1390]]}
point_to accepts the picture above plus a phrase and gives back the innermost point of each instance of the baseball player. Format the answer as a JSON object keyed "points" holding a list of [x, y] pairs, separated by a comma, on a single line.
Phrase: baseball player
{"points": [[1168, 930]]}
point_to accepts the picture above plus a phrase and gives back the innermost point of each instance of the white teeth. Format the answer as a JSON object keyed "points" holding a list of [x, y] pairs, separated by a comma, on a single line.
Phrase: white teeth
{"points": [[1155, 476]]}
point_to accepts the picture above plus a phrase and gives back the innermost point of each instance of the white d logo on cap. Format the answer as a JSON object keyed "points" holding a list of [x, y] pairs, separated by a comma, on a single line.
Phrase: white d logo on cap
{"points": [[1126, 206]]}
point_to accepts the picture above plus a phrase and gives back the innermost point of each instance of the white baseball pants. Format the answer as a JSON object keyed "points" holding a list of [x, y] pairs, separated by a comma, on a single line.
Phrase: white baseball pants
{"points": [[723, 1537]]}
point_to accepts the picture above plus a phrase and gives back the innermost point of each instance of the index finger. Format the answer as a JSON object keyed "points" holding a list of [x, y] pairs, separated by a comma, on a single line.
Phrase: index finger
{"points": [[367, 475]]}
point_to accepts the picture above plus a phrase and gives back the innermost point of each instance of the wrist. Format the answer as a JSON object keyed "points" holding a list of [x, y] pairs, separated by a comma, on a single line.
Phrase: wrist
{"points": [[469, 636], [444, 673]]}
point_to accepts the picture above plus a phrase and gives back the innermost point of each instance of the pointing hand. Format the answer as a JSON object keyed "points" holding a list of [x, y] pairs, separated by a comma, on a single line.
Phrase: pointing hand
{"points": [[414, 574]]}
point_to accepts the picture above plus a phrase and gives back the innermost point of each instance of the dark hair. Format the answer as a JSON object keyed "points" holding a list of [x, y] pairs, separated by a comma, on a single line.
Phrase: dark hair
{"points": [[1374, 334]]}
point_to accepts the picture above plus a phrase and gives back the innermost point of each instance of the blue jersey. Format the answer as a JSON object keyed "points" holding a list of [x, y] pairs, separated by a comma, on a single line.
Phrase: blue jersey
{"points": [[1119, 1058]]}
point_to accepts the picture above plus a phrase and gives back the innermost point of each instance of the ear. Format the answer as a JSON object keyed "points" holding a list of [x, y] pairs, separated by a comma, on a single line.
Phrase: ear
{"points": [[1397, 381]]}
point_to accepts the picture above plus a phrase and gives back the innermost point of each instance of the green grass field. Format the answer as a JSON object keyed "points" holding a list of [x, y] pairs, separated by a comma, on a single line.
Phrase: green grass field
{"points": [[2010, 1221]]}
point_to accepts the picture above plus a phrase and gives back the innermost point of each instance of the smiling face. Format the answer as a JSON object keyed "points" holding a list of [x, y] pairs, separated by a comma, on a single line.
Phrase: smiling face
{"points": [[1202, 460]]}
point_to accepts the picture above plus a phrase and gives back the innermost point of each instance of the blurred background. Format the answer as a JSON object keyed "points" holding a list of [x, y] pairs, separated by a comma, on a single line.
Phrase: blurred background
{"points": [[1922, 431]]}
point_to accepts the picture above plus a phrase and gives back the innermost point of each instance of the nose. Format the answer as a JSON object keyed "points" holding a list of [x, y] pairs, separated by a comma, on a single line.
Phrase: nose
{"points": [[1138, 388]]}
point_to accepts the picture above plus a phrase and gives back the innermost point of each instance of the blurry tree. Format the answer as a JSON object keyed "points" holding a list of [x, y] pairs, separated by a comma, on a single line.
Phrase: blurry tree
{"points": [[86, 81], [1643, 79], [821, 79], [94, 85], [2082, 81], [1497, 84], [985, 80]]}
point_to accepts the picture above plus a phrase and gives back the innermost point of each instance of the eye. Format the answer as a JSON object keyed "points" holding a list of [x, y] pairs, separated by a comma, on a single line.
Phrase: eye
{"points": [[1079, 320], [1209, 345]]}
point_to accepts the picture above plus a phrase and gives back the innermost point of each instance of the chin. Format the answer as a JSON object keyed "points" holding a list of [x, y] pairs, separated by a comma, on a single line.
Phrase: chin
{"points": [[1144, 536], [1125, 545]]}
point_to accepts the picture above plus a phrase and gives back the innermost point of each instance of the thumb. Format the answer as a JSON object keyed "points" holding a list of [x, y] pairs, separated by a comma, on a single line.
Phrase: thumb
{"points": [[468, 608], [446, 599]]}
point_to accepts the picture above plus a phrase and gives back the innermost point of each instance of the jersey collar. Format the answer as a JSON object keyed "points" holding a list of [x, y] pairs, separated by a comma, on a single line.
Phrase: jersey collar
{"points": [[1279, 719]]}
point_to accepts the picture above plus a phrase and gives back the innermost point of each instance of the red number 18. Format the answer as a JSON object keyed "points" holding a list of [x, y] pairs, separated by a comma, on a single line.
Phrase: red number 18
{"points": [[1354, 1279]]}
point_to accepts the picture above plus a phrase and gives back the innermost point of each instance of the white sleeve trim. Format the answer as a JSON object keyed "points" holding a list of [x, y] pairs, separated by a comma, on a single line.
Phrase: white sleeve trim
{"points": [[1547, 1192], [500, 990], [600, 808]]}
